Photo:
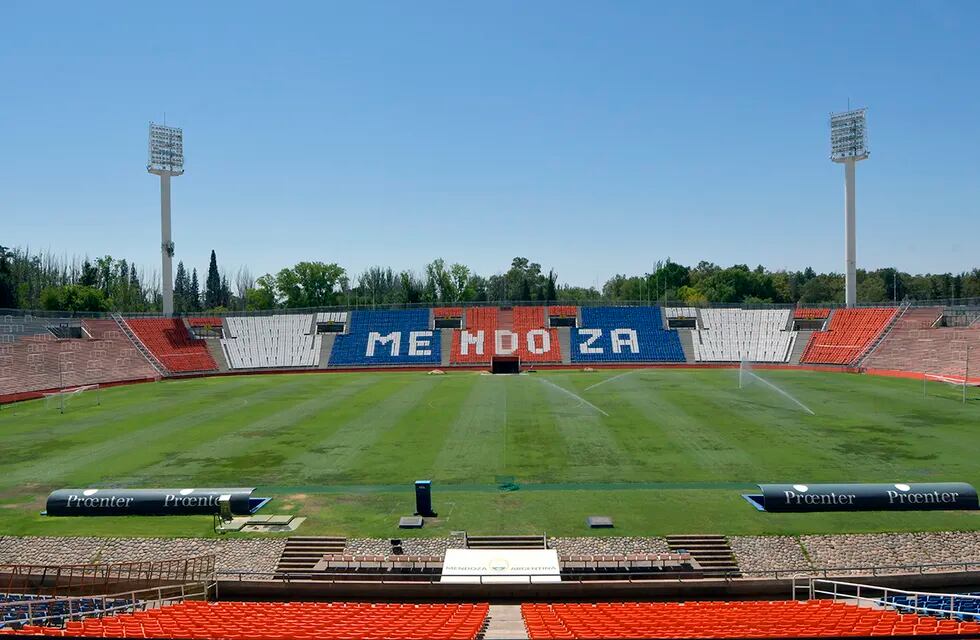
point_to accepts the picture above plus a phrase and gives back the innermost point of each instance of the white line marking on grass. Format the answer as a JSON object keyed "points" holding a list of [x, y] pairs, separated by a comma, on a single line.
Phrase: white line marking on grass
{"points": [[616, 377], [577, 397]]}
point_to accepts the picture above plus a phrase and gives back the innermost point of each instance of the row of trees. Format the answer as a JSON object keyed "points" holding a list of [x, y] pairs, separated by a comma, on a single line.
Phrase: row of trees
{"points": [[43, 281]]}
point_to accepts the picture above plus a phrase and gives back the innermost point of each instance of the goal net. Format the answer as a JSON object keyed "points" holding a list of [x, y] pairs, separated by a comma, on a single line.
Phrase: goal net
{"points": [[86, 395]]}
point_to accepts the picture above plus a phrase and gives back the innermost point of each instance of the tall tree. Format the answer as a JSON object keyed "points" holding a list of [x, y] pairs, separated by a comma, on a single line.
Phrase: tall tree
{"points": [[181, 285], [212, 286], [194, 292]]}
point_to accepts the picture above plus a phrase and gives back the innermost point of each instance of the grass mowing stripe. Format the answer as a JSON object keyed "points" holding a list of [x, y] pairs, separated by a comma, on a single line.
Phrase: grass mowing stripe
{"points": [[334, 455], [589, 447], [264, 436], [473, 450], [407, 450]]}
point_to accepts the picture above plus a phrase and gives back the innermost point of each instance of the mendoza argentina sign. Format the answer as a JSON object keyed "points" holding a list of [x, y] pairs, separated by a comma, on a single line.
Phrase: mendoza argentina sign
{"points": [[150, 502], [929, 496]]}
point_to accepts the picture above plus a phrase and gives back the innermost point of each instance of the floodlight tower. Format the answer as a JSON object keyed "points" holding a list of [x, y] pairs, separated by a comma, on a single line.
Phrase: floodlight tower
{"points": [[166, 160], [848, 145]]}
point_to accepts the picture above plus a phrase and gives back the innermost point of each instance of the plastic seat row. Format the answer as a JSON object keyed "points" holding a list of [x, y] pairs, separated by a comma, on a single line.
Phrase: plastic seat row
{"points": [[811, 313], [171, 344], [271, 341], [734, 335], [745, 619], [381, 338], [624, 334], [193, 620], [849, 333]]}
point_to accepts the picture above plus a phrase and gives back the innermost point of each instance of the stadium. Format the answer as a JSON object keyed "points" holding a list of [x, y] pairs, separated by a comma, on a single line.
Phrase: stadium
{"points": [[725, 456]]}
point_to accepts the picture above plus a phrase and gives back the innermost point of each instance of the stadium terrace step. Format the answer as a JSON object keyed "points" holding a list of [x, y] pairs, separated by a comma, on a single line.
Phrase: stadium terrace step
{"points": [[711, 551], [506, 542], [687, 343], [302, 553], [214, 348], [326, 347], [802, 340]]}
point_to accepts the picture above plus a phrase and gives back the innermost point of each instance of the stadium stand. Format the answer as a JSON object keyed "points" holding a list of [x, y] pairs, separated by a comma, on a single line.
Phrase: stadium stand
{"points": [[914, 344], [478, 347], [733, 335], [849, 334], [447, 312], [16, 608], [966, 606], [681, 312], [193, 619], [810, 313], [531, 326], [624, 334], [385, 338], [40, 361], [563, 311], [745, 619], [204, 322], [275, 341], [171, 344]]}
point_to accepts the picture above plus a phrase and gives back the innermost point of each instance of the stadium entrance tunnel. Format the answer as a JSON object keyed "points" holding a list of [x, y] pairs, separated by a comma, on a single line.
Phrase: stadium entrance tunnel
{"points": [[505, 365]]}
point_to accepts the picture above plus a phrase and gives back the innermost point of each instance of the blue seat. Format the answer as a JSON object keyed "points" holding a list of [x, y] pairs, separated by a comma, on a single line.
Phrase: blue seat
{"points": [[607, 335], [380, 338]]}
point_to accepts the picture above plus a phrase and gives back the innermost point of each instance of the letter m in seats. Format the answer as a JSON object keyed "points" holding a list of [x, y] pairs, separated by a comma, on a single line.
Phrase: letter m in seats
{"points": [[374, 338]]}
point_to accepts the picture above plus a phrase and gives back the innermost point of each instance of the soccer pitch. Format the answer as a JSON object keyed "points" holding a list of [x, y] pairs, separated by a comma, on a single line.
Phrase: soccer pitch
{"points": [[660, 450]]}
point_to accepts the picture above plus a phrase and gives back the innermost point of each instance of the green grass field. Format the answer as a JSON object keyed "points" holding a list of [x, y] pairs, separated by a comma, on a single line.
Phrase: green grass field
{"points": [[661, 451]]}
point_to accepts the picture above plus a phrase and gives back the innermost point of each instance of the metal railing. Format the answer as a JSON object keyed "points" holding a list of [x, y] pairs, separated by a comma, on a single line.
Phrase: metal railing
{"points": [[875, 595], [100, 578], [587, 576], [39, 610]]}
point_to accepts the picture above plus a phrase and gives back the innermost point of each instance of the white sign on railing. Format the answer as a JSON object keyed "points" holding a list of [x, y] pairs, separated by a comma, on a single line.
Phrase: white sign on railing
{"points": [[500, 566]]}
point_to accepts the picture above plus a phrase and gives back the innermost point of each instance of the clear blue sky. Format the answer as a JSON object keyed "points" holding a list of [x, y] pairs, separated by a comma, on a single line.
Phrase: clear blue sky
{"points": [[593, 138]]}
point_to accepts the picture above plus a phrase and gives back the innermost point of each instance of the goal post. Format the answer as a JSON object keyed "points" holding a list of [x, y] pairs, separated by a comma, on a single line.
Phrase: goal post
{"points": [[62, 398]]}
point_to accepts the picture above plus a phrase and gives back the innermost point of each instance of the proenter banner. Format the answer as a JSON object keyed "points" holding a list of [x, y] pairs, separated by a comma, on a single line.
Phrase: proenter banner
{"points": [[928, 496], [150, 502]]}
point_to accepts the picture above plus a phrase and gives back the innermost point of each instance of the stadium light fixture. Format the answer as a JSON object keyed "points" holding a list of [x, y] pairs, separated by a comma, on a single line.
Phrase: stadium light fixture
{"points": [[849, 145], [166, 159]]}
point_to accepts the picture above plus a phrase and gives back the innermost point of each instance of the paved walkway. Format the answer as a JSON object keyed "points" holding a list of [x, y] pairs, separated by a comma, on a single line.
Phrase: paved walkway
{"points": [[505, 623]]}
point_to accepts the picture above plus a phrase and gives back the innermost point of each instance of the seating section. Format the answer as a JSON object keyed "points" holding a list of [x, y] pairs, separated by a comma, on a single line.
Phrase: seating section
{"points": [[447, 312], [197, 620], [171, 344], [563, 311], [16, 608], [624, 334], [44, 362], [966, 606], [384, 338], [480, 349], [264, 342], [733, 335], [681, 312], [744, 619], [332, 317], [849, 333], [535, 341], [914, 345], [204, 322], [810, 313]]}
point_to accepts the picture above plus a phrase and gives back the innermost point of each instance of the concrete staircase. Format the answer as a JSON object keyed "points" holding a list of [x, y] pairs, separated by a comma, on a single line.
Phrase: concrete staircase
{"points": [[687, 343], [565, 344], [326, 347], [445, 345], [506, 542], [504, 622], [712, 552], [302, 553], [802, 338], [214, 348]]}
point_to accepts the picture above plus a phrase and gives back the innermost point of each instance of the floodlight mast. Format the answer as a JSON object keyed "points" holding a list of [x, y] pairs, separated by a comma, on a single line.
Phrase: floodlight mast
{"points": [[848, 145], [166, 160]]}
